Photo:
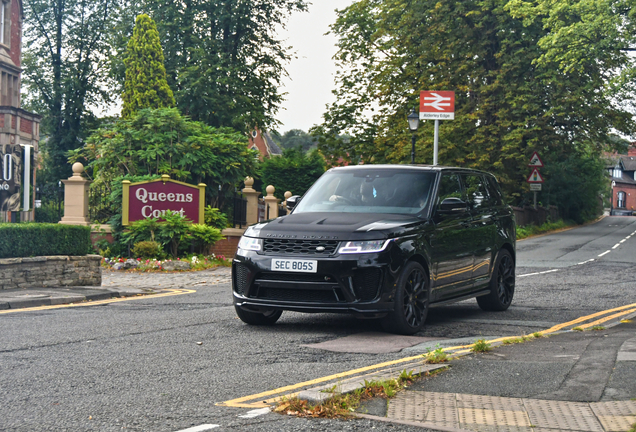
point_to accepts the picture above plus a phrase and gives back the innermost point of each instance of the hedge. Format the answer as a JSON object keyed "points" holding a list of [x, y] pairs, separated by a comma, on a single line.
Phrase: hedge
{"points": [[43, 239]]}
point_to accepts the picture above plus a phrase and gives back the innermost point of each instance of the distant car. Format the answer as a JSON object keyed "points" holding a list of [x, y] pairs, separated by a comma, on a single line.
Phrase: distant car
{"points": [[381, 241]]}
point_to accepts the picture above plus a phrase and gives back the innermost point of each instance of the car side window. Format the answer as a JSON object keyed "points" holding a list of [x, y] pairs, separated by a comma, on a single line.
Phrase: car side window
{"points": [[449, 187], [476, 190], [494, 191]]}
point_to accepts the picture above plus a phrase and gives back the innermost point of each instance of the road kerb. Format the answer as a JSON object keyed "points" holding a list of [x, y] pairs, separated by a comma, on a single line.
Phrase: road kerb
{"points": [[265, 399], [169, 293]]}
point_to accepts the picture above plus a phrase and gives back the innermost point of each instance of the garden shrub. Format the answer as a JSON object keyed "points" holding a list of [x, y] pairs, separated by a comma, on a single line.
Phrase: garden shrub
{"points": [[147, 249], [42, 239], [215, 218]]}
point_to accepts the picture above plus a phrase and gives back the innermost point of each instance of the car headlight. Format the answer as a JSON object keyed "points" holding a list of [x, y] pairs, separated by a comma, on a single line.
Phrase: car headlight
{"points": [[353, 247], [250, 243]]}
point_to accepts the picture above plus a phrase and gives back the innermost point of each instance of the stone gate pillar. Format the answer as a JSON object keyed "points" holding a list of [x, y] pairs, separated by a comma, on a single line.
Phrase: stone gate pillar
{"points": [[251, 196], [271, 203], [76, 198]]}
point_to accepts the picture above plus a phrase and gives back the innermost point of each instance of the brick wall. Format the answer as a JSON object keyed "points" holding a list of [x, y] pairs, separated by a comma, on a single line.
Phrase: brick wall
{"points": [[228, 247], [16, 32], [26, 126], [50, 271]]}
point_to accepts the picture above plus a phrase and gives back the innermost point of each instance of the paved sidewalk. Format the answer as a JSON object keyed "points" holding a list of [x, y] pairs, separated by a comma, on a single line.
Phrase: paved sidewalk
{"points": [[572, 381], [114, 284]]}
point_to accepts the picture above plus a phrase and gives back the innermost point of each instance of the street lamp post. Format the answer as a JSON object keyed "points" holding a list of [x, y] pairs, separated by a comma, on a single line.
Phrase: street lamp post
{"points": [[414, 122]]}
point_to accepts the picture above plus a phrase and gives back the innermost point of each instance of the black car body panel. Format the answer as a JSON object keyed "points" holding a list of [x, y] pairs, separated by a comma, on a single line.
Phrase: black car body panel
{"points": [[457, 247]]}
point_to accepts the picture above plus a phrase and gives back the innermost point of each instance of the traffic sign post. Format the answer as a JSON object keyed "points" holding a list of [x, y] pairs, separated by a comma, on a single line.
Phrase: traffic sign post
{"points": [[535, 179], [437, 105]]}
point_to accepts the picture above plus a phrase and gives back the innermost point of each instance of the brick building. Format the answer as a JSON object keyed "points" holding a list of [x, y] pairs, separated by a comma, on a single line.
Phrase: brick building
{"points": [[263, 142], [623, 172], [19, 129]]}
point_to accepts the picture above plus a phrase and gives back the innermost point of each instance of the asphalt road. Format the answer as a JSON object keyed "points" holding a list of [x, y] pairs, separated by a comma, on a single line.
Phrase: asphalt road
{"points": [[161, 364]]}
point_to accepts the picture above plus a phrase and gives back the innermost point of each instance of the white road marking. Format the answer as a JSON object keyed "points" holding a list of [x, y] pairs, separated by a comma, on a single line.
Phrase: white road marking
{"points": [[585, 262], [201, 428], [538, 273], [616, 245], [255, 413], [604, 253], [622, 241]]}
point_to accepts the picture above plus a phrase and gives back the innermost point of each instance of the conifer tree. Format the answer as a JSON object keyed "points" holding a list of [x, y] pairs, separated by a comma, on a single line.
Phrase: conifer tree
{"points": [[146, 85]]}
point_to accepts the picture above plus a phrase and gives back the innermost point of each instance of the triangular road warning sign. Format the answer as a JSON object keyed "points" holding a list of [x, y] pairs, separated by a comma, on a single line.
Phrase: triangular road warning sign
{"points": [[535, 160], [535, 177]]}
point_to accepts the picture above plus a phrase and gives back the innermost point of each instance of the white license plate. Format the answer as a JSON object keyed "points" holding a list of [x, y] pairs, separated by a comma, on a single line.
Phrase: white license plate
{"points": [[293, 265]]}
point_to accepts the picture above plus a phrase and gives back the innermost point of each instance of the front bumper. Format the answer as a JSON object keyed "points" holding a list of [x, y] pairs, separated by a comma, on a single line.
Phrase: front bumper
{"points": [[360, 284]]}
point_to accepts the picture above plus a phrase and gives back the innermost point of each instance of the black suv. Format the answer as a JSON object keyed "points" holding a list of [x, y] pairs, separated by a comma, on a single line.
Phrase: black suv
{"points": [[381, 241]]}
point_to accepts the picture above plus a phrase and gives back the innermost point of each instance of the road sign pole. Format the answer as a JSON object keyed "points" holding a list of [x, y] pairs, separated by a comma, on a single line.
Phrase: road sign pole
{"points": [[535, 200], [436, 142]]}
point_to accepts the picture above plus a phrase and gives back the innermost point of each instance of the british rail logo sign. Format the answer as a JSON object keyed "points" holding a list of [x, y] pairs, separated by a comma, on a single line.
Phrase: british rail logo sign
{"points": [[154, 198]]}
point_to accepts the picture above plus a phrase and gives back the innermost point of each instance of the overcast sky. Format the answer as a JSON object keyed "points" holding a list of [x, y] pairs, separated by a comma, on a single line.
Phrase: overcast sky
{"points": [[310, 74]]}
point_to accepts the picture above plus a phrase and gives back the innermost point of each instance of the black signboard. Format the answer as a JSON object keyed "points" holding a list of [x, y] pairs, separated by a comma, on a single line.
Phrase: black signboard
{"points": [[11, 157]]}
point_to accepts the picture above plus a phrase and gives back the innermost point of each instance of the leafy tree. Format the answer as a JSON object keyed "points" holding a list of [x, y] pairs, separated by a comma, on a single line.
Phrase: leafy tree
{"points": [[508, 103], [293, 171], [295, 138], [223, 59], [65, 72], [162, 141], [145, 85]]}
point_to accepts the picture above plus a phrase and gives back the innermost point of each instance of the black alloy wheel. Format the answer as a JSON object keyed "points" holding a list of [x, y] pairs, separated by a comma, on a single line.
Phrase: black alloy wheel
{"points": [[258, 318], [411, 301], [502, 284]]}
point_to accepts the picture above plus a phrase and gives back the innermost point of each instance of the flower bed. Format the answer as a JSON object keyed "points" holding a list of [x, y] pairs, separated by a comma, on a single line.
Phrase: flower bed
{"points": [[195, 262]]}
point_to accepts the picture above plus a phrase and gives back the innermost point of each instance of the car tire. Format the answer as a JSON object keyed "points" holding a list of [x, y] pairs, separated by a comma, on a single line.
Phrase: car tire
{"points": [[258, 318], [502, 284], [411, 301]]}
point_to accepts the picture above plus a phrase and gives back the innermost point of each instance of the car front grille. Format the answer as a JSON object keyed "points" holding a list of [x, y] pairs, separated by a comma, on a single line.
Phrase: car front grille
{"points": [[241, 278], [366, 283], [296, 295], [300, 247]]}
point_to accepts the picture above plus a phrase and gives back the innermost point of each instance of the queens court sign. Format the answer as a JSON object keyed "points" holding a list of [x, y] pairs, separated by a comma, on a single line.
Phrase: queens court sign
{"points": [[156, 197]]}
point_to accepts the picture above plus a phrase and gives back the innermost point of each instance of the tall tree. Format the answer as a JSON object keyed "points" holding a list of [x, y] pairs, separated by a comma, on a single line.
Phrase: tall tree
{"points": [[508, 104], [223, 58], [146, 85], [65, 71]]}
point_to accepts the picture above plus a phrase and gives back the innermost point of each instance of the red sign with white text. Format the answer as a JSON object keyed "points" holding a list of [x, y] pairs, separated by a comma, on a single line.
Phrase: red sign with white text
{"points": [[153, 199], [437, 105]]}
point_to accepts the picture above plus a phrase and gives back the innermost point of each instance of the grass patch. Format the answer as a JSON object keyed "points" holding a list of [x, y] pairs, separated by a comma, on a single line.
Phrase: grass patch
{"points": [[537, 335], [577, 329], [517, 340], [344, 405], [597, 328], [633, 429], [435, 357], [481, 346], [530, 230]]}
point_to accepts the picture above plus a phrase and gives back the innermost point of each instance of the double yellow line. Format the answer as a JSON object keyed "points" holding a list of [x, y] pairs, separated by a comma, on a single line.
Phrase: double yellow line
{"points": [[169, 293], [258, 402]]}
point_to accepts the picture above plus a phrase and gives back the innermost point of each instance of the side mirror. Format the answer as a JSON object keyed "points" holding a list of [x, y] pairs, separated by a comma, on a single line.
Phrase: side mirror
{"points": [[292, 201], [453, 205]]}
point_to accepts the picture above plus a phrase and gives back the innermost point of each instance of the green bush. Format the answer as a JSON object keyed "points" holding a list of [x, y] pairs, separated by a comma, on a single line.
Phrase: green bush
{"points": [[41, 239], [147, 249], [48, 213], [214, 218]]}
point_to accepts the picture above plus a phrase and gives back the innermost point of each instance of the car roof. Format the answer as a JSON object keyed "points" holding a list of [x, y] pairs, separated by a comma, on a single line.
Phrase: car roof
{"points": [[435, 168]]}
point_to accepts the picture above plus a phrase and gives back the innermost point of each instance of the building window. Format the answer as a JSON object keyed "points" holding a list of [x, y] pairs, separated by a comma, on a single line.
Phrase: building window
{"points": [[620, 200], [5, 22], [618, 173]]}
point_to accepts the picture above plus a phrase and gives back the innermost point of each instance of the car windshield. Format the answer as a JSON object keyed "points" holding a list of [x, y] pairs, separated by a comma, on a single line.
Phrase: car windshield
{"points": [[369, 191]]}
